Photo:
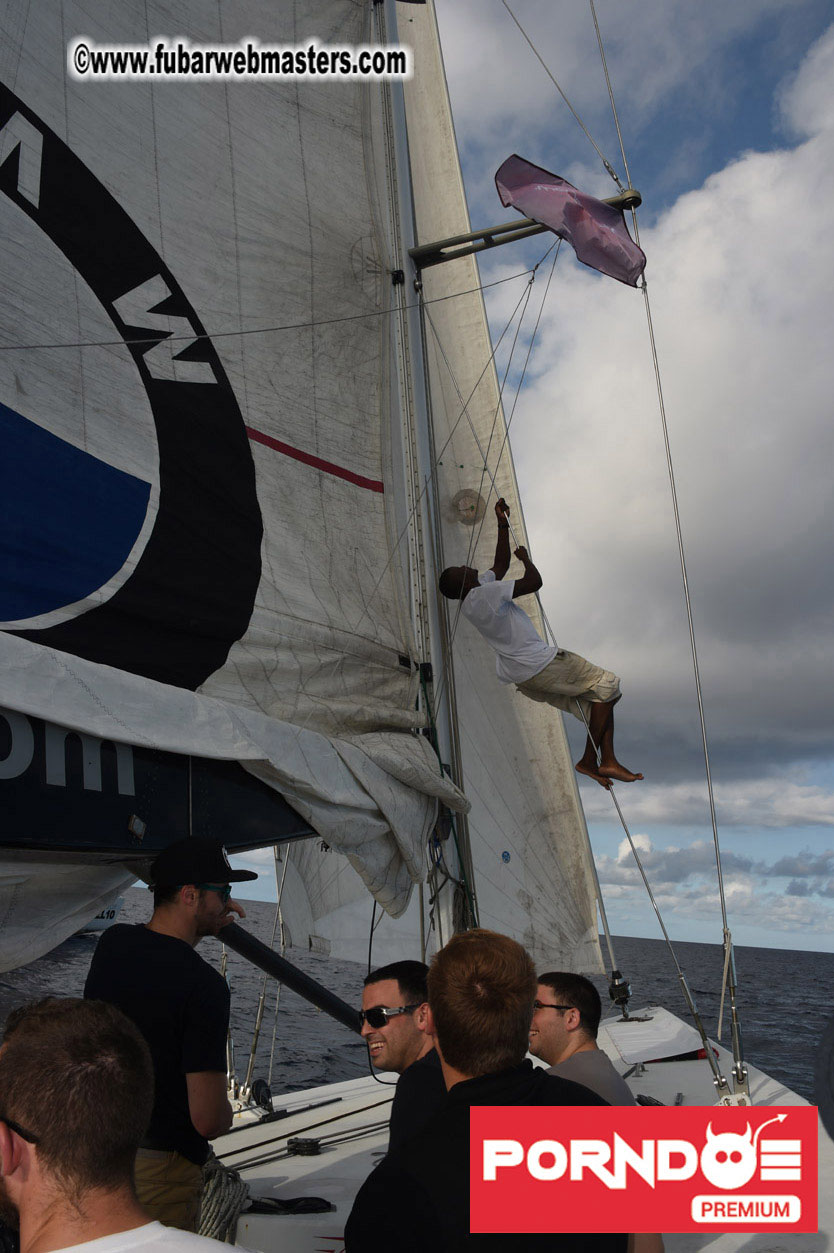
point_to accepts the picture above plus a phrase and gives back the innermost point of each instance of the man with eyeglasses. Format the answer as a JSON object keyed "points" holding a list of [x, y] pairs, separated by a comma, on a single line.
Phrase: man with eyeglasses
{"points": [[563, 1033], [181, 1006], [76, 1090], [394, 1027]]}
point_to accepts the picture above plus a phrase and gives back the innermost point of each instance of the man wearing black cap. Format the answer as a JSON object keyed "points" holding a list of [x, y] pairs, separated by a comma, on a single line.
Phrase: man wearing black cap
{"points": [[181, 1006]]}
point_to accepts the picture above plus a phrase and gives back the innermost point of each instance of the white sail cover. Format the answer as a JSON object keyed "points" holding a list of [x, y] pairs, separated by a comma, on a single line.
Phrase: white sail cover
{"points": [[196, 542]]}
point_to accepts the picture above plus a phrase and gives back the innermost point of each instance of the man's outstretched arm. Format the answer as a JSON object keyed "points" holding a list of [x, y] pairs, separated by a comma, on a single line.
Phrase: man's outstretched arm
{"points": [[501, 564], [531, 580]]}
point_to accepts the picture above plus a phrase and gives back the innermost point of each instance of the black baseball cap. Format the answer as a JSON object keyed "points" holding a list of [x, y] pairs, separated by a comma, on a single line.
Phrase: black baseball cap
{"points": [[195, 860]]}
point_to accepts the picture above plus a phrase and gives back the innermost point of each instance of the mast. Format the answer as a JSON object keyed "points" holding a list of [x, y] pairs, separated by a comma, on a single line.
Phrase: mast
{"points": [[418, 456], [526, 825]]}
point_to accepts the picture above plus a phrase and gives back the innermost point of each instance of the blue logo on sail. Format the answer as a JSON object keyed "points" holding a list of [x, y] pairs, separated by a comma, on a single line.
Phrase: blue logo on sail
{"points": [[68, 521]]}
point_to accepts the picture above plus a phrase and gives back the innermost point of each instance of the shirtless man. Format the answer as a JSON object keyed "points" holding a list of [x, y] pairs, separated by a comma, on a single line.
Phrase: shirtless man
{"points": [[540, 671]]}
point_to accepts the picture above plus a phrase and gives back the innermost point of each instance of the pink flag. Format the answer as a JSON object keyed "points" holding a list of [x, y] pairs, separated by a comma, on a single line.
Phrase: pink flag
{"points": [[596, 231]]}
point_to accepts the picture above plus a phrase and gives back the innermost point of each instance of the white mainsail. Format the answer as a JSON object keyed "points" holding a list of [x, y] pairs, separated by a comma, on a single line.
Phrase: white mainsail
{"points": [[232, 577]]}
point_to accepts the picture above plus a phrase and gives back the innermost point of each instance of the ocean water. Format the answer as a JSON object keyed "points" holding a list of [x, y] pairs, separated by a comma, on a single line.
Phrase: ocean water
{"points": [[785, 1000]]}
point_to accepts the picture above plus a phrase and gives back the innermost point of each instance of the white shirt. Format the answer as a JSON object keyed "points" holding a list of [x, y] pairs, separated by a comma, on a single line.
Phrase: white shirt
{"points": [[150, 1238], [520, 650]]}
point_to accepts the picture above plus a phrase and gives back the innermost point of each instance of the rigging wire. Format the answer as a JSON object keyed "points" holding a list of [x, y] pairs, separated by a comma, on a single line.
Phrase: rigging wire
{"points": [[550, 75], [729, 981], [505, 442], [196, 336], [718, 1077], [610, 92], [425, 486], [475, 536]]}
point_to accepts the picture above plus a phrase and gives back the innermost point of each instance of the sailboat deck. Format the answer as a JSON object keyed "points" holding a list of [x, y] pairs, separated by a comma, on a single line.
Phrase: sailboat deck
{"points": [[349, 1121]]}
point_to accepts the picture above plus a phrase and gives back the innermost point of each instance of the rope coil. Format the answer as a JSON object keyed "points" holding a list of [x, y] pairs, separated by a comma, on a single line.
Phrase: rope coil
{"points": [[224, 1198]]}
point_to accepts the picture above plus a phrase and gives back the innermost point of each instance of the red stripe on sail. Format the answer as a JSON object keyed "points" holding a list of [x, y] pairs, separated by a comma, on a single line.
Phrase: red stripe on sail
{"points": [[318, 463]]}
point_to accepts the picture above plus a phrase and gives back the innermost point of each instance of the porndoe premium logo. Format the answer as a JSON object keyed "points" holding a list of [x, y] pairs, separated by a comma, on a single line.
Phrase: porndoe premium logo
{"points": [[546, 1169]]}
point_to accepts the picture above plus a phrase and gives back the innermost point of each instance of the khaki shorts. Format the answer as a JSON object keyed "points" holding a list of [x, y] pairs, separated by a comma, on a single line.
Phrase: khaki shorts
{"points": [[168, 1186], [572, 684]]}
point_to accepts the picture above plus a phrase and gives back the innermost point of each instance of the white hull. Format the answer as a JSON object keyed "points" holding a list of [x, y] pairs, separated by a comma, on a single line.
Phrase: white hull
{"points": [[350, 1122]]}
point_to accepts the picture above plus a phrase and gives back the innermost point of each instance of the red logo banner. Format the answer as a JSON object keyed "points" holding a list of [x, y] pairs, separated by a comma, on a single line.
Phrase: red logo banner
{"points": [[708, 1168]]}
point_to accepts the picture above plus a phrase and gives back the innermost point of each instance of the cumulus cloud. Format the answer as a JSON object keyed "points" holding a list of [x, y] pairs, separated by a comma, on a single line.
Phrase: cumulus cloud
{"points": [[684, 880], [805, 99], [806, 865], [668, 865], [769, 802]]}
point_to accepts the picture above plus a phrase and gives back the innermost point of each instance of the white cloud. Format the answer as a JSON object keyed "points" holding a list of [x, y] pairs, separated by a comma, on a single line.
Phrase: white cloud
{"points": [[806, 101], [752, 802], [683, 883], [674, 49]]}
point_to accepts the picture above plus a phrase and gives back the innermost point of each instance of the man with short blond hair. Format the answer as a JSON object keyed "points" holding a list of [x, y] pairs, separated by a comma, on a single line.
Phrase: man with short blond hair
{"points": [[76, 1092], [481, 989]]}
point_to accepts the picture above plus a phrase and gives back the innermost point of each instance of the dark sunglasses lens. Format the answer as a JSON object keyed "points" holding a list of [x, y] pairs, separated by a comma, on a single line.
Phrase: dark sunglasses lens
{"points": [[375, 1018]]}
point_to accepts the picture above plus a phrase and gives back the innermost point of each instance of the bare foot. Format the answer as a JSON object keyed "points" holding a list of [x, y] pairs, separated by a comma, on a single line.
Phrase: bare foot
{"points": [[619, 773], [593, 773]]}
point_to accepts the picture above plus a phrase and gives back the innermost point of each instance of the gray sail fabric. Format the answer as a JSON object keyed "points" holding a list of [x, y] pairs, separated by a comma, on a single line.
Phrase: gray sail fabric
{"points": [[260, 202], [41, 905]]}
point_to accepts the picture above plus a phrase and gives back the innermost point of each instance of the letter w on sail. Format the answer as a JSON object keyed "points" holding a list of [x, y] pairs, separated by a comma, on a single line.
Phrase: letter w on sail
{"points": [[140, 308]]}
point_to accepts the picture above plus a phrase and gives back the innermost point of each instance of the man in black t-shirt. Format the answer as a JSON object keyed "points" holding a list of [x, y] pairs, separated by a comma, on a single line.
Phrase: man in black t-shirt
{"points": [[394, 1005], [181, 1006]]}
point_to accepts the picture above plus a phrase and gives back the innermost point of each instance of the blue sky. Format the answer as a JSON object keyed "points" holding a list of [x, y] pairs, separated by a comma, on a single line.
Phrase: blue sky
{"points": [[727, 113]]}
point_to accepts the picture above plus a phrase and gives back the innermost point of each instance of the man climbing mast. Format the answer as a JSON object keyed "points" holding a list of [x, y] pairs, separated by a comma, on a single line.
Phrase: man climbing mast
{"points": [[540, 671]]}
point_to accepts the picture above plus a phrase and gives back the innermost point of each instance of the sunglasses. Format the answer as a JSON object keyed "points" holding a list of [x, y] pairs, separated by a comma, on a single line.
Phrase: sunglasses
{"points": [[29, 1136], [549, 1005], [223, 890], [379, 1015]]}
